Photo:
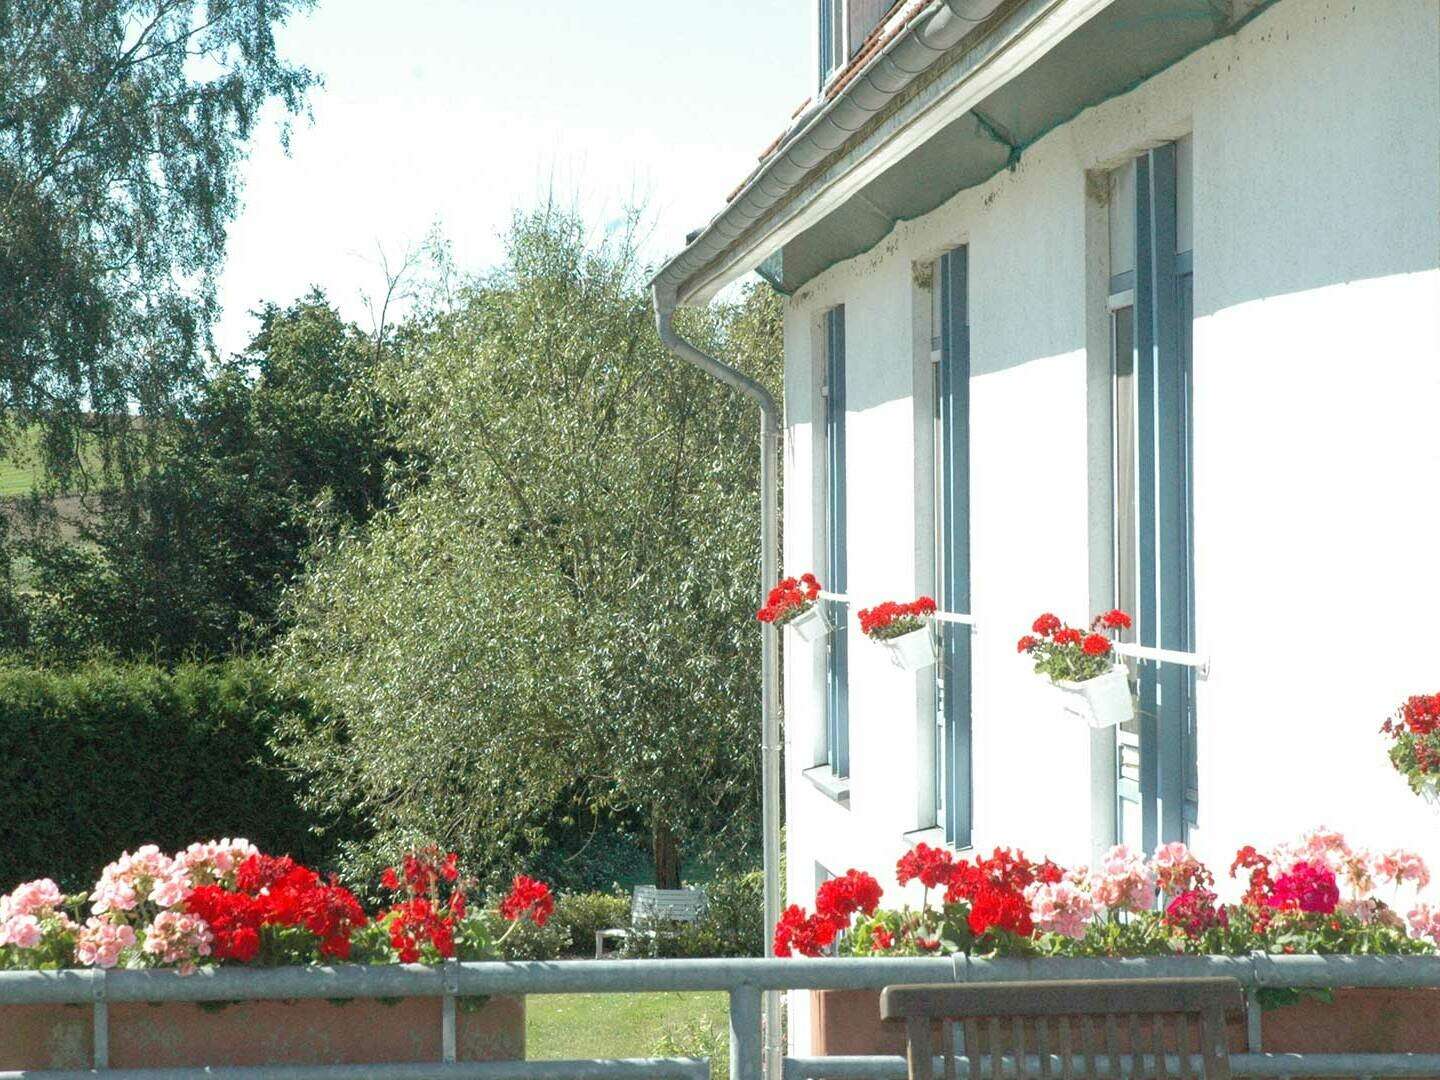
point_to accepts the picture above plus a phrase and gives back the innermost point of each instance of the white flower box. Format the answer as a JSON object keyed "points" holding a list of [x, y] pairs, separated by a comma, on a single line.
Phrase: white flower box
{"points": [[1101, 702], [914, 651], [810, 625]]}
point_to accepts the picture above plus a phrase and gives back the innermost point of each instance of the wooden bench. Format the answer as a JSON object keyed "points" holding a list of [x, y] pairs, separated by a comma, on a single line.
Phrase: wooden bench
{"points": [[1140, 1029], [651, 909]]}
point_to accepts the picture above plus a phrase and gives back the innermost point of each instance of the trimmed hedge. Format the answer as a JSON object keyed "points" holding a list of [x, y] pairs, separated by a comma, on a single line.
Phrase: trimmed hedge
{"points": [[99, 760]]}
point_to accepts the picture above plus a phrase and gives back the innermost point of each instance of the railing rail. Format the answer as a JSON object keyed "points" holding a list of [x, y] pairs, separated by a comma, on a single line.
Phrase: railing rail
{"points": [[744, 980]]}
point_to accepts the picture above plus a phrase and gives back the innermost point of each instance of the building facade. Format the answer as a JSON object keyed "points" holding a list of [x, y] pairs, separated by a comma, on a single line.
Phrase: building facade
{"points": [[1177, 350]]}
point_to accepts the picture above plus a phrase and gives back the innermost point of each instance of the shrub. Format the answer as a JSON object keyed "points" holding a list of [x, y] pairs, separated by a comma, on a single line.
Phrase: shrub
{"points": [[580, 915], [733, 924], [111, 756]]}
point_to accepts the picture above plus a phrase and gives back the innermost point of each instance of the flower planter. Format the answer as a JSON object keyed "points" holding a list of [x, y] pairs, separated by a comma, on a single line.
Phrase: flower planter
{"points": [[184, 1035], [914, 651], [1101, 702], [811, 624], [1368, 1021]]}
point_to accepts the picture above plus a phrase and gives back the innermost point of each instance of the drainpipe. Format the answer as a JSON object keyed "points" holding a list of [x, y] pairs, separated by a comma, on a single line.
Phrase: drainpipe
{"points": [[770, 634]]}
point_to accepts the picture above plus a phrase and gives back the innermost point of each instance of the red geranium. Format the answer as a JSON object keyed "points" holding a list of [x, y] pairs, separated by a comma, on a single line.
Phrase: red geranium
{"points": [[1309, 887], [891, 619], [841, 897], [809, 935], [930, 866], [791, 597], [1069, 654], [528, 897]]}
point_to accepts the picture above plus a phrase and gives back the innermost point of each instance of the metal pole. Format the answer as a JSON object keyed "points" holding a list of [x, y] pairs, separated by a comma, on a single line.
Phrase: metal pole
{"points": [[745, 1056], [770, 748]]}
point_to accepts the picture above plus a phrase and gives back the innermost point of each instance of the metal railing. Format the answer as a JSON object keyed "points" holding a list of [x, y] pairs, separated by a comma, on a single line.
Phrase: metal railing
{"points": [[745, 981]]}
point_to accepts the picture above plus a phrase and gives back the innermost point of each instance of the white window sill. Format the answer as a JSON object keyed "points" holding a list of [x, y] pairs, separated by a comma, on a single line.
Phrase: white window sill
{"points": [[933, 835], [828, 784]]}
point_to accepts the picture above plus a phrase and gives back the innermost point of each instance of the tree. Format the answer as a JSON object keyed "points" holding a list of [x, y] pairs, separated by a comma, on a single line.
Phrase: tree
{"points": [[284, 440], [560, 603], [121, 126]]}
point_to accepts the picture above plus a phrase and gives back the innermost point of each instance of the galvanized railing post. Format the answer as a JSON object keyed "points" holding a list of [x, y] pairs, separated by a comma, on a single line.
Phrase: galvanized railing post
{"points": [[100, 1019], [745, 1046], [447, 1011]]}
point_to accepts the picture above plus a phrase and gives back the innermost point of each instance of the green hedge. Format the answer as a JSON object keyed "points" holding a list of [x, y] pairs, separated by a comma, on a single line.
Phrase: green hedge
{"points": [[104, 758]]}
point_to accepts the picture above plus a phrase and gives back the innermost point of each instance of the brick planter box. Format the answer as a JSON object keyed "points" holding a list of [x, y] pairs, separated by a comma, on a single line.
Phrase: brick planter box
{"points": [[1364, 1021], [185, 1035]]}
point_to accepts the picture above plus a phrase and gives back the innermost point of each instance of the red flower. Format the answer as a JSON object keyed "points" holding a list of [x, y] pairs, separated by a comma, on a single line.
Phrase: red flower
{"points": [[930, 866], [840, 897], [1247, 858], [1046, 624], [1000, 909], [788, 598], [528, 897], [1309, 887], [1067, 635], [809, 935], [1115, 619], [1421, 713], [882, 939], [1095, 644], [390, 879], [1026, 643], [1195, 911]]}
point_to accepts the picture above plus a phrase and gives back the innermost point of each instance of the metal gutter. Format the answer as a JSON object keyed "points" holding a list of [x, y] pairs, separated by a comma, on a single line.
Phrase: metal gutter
{"points": [[664, 297], [884, 78]]}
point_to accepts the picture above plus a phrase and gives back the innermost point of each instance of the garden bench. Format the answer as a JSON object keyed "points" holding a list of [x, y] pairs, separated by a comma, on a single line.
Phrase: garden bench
{"points": [[650, 908], [1139, 1029]]}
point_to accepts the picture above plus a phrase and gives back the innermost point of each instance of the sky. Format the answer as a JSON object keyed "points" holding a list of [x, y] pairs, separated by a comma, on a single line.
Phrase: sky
{"points": [[457, 113]]}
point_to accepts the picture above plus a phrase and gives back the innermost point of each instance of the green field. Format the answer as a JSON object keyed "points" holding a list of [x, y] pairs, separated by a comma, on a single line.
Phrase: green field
{"points": [[614, 1025]]}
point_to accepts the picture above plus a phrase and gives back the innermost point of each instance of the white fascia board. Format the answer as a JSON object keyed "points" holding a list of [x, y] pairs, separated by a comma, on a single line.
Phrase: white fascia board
{"points": [[1028, 46]]}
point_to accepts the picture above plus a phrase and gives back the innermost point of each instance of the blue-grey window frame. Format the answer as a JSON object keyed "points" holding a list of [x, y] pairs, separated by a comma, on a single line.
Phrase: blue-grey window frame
{"points": [[837, 654], [1165, 619], [952, 512]]}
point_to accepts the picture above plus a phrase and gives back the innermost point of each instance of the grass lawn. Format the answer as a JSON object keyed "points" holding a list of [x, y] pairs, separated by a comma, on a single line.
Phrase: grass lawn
{"points": [[613, 1025]]}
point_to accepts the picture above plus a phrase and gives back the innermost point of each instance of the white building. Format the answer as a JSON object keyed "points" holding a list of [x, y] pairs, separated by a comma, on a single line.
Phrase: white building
{"points": [[1098, 302]]}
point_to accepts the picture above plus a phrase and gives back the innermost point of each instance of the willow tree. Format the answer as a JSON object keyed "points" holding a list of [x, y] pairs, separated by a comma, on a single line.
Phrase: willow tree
{"points": [[122, 123], [560, 604]]}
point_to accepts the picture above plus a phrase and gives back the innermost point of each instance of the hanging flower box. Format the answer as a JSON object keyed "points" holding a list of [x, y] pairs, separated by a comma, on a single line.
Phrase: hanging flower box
{"points": [[1081, 665], [795, 603], [904, 629], [1415, 747]]}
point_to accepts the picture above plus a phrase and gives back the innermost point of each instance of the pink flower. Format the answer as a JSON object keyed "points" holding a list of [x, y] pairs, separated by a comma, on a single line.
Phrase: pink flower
{"points": [[33, 898], [1177, 870], [1400, 867], [176, 938], [132, 879], [1328, 848], [1309, 887], [1424, 922], [1060, 908], [213, 862], [100, 942], [22, 931], [1123, 881]]}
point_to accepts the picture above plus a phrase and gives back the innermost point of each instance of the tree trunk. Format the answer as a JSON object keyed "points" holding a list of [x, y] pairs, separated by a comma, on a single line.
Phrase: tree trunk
{"points": [[666, 850]]}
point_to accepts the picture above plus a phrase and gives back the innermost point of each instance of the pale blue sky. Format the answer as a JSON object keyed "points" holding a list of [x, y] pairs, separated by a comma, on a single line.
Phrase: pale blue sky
{"points": [[460, 111]]}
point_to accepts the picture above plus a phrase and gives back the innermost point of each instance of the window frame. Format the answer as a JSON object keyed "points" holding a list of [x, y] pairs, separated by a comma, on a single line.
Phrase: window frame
{"points": [[836, 576]]}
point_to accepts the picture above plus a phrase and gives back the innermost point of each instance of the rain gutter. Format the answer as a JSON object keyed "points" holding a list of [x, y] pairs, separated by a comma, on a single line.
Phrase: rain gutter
{"points": [[903, 59]]}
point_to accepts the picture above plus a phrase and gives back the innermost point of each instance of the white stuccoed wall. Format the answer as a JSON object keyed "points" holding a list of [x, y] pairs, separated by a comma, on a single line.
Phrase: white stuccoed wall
{"points": [[1317, 450]]}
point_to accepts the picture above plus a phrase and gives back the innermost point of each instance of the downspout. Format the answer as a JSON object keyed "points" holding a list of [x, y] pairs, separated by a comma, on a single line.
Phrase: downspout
{"points": [[769, 635]]}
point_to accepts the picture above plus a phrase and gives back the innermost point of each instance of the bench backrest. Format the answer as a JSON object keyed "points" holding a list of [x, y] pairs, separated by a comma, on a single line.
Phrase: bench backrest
{"points": [[649, 904], [1171, 1029]]}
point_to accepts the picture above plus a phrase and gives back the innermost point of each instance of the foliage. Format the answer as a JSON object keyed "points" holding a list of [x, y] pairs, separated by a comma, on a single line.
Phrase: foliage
{"points": [[700, 1038], [556, 609], [109, 757], [582, 915], [191, 558], [1064, 653], [122, 123]]}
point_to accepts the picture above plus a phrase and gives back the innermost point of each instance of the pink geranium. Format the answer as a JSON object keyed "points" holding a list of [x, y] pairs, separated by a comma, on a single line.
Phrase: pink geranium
{"points": [[1424, 922], [1060, 907], [147, 874], [1400, 867], [100, 942], [21, 931], [178, 939], [214, 862], [1177, 870], [1123, 881]]}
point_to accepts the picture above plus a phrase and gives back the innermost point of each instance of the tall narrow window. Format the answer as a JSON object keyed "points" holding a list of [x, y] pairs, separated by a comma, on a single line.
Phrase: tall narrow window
{"points": [[832, 37], [1151, 313], [951, 356], [837, 657]]}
